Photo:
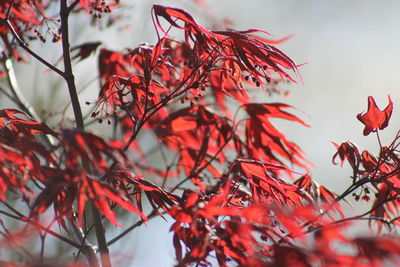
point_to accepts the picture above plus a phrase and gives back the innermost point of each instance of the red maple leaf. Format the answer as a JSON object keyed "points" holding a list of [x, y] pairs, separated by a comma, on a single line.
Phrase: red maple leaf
{"points": [[374, 118]]}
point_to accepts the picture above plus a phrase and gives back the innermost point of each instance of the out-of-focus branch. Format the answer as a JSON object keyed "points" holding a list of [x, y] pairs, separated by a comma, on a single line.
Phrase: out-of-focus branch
{"points": [[86, 247], [19, 99]]}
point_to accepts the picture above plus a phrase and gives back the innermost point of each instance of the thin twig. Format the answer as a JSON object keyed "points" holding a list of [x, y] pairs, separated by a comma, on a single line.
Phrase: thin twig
{"points": [[22, 44], [73, 5], [129, 229]]}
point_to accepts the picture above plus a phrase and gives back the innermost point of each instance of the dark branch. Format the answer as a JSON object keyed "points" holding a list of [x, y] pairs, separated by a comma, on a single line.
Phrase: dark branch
{"points": [[73, 5], [68, 74]]}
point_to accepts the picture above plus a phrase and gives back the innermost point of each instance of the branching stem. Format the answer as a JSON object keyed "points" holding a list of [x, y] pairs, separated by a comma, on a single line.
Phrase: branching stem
{"points": [[68, 74], [70, 80]]}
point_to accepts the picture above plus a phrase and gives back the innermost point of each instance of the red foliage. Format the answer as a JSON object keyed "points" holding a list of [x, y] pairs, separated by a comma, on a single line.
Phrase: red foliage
{"points": [[229, 181]]}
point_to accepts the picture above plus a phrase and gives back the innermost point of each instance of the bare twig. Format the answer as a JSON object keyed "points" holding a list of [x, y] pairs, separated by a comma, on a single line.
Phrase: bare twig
{"points": [[132, 227], [73, 5]]}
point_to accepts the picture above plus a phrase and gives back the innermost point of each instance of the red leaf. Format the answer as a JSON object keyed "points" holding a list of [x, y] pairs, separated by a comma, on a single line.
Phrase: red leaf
{"points": [[377, 247], [265, 142], [252, 167], [347, 150], [369, 161], [84, 4], [290, 256], [85, 50], [374, 118]]}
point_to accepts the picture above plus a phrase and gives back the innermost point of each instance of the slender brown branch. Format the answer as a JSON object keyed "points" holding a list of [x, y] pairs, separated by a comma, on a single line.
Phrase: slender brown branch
{"points": [[9, 9], [68, 74], [101, 237], [22, 44], [73, 5], [70, 79], [132, 227]]}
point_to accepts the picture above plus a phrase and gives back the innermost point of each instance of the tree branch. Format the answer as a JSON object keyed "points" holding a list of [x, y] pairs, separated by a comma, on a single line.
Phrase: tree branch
{"points": [[21, 43], [15, 90], [101, 237], [130, 228], [70, 79], [73, 5], [88, 249], [68, 74]]}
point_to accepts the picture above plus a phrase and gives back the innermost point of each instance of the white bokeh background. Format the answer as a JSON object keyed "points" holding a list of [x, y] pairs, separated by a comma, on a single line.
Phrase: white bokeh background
{"points": [[352, 50]]}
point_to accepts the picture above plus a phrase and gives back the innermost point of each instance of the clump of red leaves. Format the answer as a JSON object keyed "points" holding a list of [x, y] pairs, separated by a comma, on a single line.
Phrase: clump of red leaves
{"points": [[240, 200], [375, 177]]}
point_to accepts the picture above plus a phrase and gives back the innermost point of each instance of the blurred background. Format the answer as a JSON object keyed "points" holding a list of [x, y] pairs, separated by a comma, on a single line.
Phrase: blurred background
{"points": [[350, 50]]}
